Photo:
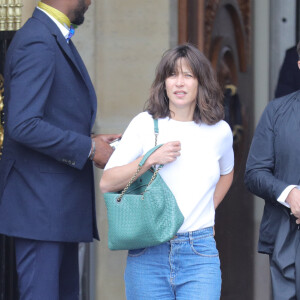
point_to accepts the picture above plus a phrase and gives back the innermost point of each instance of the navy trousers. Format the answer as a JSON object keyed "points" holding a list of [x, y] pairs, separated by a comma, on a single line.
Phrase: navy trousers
{"points": [[47, 270]]}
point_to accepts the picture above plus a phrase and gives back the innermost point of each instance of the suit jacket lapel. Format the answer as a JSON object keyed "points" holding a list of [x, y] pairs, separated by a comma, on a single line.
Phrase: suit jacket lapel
{"points": [[80, 64], [71, 53], [86, 77], [54, 30], [66, 48]]}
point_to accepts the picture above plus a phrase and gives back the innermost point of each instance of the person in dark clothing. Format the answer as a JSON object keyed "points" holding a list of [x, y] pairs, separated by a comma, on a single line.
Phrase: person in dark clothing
{"points": [[272, 173], [47, 200], [289, 76]]}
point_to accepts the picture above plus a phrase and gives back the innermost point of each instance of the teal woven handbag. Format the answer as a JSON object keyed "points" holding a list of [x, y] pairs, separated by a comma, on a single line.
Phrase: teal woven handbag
{"points": [[145, 213]]}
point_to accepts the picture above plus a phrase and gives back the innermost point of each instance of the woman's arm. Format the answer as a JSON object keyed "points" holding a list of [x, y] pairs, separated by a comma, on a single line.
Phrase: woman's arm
{"points": [[222, 188], [116, 178]]}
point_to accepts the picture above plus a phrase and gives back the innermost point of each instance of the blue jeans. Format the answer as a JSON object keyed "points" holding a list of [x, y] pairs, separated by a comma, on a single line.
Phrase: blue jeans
{"points": [[185, 268]]}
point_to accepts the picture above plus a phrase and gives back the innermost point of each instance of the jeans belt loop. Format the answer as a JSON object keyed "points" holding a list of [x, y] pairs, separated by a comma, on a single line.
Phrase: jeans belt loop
{"points": [[191, 236]]}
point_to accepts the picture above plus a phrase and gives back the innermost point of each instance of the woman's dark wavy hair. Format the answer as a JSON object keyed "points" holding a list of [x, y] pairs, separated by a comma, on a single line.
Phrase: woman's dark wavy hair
{"points": [[209, 108]]}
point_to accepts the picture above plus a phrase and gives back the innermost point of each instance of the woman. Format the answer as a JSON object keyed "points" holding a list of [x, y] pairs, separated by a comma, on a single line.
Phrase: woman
{"points": [[198, 167]]}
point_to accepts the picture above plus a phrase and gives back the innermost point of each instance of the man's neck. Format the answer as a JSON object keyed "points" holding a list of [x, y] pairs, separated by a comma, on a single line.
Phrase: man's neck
{"points": [[60, 5], [55, 13]]}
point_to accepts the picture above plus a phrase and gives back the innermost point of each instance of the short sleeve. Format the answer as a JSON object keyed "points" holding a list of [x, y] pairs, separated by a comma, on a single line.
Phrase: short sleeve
{"points": [[130, 146], [226, 160]]}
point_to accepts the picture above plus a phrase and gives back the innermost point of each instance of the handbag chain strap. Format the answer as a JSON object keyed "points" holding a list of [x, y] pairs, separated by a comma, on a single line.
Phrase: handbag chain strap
{"points": [[154, 175], [129, 184], [139, 167]]}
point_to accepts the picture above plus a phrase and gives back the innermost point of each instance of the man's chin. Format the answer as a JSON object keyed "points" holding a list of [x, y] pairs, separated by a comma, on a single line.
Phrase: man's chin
{"points": [[78, 22]]}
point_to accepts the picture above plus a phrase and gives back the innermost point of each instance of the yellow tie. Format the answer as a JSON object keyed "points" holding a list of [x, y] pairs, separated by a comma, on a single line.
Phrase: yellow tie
{"points": [[58, 15]]}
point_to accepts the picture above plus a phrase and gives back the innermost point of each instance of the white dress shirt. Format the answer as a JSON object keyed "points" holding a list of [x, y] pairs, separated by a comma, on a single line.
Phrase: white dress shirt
{"points": [[64, 29]]}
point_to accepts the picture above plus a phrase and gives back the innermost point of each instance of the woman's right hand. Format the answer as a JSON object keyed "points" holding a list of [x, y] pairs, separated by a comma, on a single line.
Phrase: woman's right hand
{"points": [[165, 154]]}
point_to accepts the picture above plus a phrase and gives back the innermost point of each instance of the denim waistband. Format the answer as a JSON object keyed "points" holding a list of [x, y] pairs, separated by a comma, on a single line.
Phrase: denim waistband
{"points": [[179, 237]]}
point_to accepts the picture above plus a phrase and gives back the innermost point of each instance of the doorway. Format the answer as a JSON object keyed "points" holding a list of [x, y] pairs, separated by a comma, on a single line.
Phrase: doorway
{"points": [[222, 30]]}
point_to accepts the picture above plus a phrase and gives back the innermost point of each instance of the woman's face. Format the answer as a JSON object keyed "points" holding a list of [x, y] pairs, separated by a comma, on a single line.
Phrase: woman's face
{"points": [[182, 87]]}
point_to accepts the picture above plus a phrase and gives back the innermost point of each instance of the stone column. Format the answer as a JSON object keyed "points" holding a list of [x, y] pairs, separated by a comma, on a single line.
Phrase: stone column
{"points": [[261, 97], [282, 37], [27, 9]]}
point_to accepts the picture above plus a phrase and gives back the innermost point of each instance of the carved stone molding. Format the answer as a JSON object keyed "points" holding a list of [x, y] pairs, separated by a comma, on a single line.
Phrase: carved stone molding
{"points": [[245, 7], [211, 8], [10, 15]]}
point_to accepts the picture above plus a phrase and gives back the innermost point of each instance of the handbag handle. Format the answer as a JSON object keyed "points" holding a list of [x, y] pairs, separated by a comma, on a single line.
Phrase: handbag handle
{"points": [[146, 156], [156, 130], [142, 162]]}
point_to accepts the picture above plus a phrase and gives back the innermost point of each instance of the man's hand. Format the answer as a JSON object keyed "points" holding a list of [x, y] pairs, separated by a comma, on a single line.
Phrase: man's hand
{"points": [[293, 199], [103, 149]]}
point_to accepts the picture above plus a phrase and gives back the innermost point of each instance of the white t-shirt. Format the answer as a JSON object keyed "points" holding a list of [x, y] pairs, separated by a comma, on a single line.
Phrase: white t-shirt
{"points": [[206, 153]]}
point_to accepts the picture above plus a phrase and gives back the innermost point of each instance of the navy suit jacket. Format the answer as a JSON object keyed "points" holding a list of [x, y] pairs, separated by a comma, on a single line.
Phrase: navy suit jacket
{"points": [[46, 178], [274, 162]]}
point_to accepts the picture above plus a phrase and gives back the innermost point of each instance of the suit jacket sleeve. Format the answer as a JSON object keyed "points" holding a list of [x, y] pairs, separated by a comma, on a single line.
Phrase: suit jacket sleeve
{"points": [[32, 72], [259, 175]]}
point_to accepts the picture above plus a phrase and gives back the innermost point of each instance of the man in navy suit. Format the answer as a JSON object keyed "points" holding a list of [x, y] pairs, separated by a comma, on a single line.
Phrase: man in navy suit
{"points": [[47, 197], [273, 173]]}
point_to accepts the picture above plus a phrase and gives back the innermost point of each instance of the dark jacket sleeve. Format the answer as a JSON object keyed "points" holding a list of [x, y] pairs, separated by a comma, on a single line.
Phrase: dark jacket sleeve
{"points": [[28, 99], [259, 175]]}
